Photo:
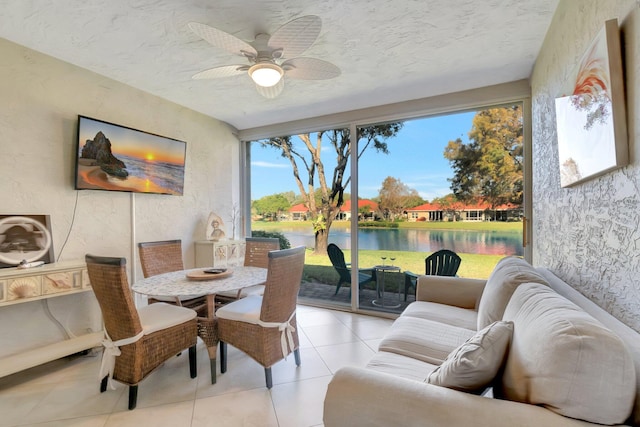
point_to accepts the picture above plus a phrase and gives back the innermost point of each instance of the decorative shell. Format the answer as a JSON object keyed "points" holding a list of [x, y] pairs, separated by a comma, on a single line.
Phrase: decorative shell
{"points": [[60, 280], [57, 282], [23, 288]]}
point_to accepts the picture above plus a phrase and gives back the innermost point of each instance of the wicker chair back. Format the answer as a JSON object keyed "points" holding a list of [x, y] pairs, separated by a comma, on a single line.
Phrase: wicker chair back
{"points": [[257, 250], [108, 278], [283, 283], [160, 257]]}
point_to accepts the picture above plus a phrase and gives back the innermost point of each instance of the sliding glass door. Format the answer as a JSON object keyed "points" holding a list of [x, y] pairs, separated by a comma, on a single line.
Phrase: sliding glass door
{"points": [[450, 182]]}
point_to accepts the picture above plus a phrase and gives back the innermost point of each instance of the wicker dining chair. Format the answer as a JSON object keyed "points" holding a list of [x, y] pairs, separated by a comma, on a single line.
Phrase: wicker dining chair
{"points": [[256, 254], [137, 341], [163, 257], [264, 327]]}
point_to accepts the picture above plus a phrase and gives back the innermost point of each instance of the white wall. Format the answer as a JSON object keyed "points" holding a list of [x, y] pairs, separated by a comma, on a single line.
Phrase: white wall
{"points": [[40, 99], [588, 235]]}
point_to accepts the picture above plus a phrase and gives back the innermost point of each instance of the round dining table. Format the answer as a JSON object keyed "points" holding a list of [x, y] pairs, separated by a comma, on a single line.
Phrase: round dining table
{"points": [[195, 282]]}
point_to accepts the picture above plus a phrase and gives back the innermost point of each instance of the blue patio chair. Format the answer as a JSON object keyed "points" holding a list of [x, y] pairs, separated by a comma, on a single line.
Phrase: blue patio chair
{"points": [[440, 263], [365, 275]]}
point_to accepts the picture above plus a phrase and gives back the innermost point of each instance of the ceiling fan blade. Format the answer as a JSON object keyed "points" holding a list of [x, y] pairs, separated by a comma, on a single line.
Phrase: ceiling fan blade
{"points": [[271, 92], [296, 36], [224, 71], [223, 40], [310, 69]]}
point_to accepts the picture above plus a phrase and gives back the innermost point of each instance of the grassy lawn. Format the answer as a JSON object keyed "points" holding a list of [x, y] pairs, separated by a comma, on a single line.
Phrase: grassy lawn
{"points": [[318, 267], [478, 266]]}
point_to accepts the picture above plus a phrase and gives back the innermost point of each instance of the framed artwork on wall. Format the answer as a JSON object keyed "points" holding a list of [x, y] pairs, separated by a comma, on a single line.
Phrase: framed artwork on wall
{"points": [[590, 113], [118, 158], [25, 237]]}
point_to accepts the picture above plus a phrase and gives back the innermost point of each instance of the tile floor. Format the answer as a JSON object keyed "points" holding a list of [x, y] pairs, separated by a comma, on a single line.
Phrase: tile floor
{"points": [[65, 392]]}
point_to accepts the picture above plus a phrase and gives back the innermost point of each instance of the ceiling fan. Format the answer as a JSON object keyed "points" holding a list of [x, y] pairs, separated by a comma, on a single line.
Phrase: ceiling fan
{"points": [[270, 57]]}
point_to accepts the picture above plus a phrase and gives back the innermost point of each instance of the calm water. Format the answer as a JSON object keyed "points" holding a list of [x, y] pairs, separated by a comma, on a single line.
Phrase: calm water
{"points": [[165, 175], [471, 242]]}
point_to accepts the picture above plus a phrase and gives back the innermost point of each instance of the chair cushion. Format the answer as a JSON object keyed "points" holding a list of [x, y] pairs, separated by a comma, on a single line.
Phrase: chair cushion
{"points": [[243, 310], [443, 313], [244, 292], [473, 366], [508, 274], [401, 366], [423, 339], [563, 359], [158, 316]]}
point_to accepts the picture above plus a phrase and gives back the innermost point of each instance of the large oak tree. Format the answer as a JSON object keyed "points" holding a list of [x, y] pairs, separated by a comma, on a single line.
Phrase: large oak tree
{"points": [[489, 167], [395, 196], [330, 184], [272, 206]]}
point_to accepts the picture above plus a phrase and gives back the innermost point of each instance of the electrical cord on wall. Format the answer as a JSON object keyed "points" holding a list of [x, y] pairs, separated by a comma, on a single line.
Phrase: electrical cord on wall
{"points": [[45, 302], [73, 220], [66, 332]]}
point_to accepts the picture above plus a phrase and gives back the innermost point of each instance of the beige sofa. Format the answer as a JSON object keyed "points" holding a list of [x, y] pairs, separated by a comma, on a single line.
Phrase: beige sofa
{"points": [[566, 361]]}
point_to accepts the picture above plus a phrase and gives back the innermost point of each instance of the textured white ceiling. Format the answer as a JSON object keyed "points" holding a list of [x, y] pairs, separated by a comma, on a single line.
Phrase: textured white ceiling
{"points": [[388, 50]]}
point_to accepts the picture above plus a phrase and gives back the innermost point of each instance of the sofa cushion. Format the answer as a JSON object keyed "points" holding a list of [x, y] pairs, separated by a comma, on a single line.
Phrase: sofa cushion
{"points": [[423, 339], [401, 366], [451, 315], [508, 274], [473, 366], [563, 359]]}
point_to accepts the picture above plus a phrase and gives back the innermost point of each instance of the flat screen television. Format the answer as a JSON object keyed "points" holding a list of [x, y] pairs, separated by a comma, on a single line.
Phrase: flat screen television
{"points": [[118, 158]]}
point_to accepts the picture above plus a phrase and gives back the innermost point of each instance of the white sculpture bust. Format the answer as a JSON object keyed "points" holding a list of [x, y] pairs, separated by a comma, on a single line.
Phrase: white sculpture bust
{"points": [[215, 228]]}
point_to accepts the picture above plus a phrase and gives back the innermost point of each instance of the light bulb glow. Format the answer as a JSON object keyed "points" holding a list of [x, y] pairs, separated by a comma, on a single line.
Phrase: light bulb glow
{"points": [[266, 74]]}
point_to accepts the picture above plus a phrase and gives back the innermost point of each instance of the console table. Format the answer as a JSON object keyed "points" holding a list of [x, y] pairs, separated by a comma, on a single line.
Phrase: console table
{"points": [[46, 313], [222, 253]]}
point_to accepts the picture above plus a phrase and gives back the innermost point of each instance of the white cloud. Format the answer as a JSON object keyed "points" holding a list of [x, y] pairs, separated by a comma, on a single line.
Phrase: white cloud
{"points": [[269, 165]]}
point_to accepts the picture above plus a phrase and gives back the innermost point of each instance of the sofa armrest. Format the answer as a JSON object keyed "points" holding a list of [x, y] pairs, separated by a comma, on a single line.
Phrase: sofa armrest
{"points": [[361, 397], [456, 291]]}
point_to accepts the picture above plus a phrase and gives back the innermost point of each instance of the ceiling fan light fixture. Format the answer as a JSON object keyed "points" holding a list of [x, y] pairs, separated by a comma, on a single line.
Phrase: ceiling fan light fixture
{"points": [[266, 74]]}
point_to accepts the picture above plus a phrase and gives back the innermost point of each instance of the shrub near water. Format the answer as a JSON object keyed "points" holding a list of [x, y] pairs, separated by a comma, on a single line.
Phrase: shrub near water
{"points": [[284, 242], [379, 224]]}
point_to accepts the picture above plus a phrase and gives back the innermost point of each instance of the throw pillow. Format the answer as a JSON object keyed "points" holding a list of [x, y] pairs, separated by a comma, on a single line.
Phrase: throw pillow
{"points": [[472, 366]]}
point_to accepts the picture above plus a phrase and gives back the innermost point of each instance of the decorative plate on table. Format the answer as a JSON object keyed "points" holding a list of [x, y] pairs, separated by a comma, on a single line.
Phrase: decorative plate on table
{"points": [[209, 274]]}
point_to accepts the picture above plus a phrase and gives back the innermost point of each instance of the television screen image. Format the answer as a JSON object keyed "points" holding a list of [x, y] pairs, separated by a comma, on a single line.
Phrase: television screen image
{"points": [[117, 158]]}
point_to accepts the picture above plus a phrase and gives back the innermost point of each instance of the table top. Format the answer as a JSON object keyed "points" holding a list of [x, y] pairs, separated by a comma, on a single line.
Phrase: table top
{"points": [[387, 267], [176, 283]]}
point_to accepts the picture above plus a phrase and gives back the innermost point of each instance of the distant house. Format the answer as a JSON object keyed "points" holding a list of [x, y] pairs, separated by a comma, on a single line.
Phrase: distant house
{"points": [[298, 212], [463, 212], [428, 211], [368, 208]]}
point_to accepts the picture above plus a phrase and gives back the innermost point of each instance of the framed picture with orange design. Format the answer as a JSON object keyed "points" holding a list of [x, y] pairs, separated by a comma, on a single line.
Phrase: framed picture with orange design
{"points": [[590, 112]]}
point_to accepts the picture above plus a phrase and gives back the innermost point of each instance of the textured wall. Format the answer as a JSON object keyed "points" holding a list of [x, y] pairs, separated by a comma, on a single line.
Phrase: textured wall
{"points": [[588, 235], [41, 99]]}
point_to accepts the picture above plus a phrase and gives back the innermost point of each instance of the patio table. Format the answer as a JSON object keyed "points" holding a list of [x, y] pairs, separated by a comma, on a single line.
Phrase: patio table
{"points": [[381, 270]]}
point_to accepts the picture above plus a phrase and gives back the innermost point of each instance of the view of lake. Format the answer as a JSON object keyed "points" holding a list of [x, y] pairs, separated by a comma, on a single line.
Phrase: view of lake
{"points": [[472, 242]]}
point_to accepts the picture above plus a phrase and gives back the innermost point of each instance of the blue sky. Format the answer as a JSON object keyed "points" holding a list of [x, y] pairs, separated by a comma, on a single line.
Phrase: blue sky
{"points": [[415, 158]]}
